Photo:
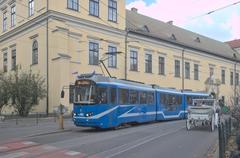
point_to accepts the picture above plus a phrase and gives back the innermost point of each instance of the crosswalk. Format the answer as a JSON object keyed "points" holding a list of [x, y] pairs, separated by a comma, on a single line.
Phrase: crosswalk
{"points": [[29, 149]]}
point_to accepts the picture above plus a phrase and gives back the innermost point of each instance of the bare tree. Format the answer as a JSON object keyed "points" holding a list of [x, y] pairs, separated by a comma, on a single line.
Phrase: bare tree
{"points": [[27, 89], [4, 91]]}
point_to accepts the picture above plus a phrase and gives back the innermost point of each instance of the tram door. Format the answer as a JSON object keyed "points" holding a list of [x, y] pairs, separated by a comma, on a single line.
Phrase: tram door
{"points": [[171, 105], [147, 106]]}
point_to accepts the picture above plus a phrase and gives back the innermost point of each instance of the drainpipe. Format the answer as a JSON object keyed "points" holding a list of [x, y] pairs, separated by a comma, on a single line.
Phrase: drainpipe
{"points": [[47, 51], [235, 86], [126, 50], [184, 114]]}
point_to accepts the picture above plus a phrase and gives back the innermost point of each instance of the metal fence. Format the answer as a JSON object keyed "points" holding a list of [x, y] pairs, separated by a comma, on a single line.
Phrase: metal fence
{"points": [[224, 133], [33, 119]]}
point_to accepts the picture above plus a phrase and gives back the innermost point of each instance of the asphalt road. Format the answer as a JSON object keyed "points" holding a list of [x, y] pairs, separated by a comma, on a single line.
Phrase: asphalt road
{"points": [[155, 140]]}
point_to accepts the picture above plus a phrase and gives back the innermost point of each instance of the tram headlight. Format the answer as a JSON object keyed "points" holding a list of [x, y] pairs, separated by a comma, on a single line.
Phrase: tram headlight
{"points": [[89, 114]]}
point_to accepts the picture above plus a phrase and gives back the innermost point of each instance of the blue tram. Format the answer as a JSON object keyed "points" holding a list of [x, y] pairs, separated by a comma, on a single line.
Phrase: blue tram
{"points": [[104, 102]]}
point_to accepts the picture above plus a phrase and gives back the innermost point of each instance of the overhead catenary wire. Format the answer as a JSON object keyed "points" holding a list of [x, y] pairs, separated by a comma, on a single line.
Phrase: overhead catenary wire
{"points": [[215, 10]]}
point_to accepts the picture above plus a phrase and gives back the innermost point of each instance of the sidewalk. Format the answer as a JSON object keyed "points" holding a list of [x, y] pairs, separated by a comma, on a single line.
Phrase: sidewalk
{"points": [[28, 127]]}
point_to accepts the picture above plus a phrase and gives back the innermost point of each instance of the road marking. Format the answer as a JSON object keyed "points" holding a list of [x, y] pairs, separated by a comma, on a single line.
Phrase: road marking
{"points": [[72, 153], [2, 148], [28, 143], [48, 147], [129, 146], [14, 155]]}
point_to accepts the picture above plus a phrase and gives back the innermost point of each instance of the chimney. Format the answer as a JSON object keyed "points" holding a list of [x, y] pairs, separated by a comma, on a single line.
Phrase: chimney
{"points": [[170, 22], [134, 10]]}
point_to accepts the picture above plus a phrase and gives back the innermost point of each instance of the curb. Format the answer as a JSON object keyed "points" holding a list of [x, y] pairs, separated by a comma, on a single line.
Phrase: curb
{"points": [[48, 133]]}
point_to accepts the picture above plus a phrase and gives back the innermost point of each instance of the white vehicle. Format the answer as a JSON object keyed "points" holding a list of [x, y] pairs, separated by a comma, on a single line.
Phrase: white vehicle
{"points": [[203, 112]]}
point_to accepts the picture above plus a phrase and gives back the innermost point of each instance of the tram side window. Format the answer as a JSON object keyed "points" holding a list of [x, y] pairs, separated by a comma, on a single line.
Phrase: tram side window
{"points": [[189, 100], [113, 98], [102, 95], [163, 99], [143, 97], [123, 96], [150, 98], [133, 97]]}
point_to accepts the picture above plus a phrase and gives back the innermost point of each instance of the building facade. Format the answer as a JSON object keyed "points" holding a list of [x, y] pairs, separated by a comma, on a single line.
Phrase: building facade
{"points": [[61, 40]]}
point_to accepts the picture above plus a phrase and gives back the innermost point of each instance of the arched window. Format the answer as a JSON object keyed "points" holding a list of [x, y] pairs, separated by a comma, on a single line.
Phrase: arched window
{"points": [[35, 52]]}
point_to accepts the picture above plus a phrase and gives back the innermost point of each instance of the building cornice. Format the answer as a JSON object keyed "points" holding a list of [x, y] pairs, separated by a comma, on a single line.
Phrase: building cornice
{"points": [[177, 46], [62, 17]]}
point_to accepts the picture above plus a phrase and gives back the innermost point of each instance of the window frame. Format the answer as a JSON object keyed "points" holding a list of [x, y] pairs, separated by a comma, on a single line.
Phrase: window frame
{"points": [[94, 4], [133, 60], [31, 7], [231, 78], [35, 50], [4, 27], [93, 52], [113, 9], [14, 58], [13, 15], [196, 72], [236, 78], [223, 76], [161, 65], [112, 57], [148, 63], [5, 61], [73, 5], [187, 70], [177, 68]]}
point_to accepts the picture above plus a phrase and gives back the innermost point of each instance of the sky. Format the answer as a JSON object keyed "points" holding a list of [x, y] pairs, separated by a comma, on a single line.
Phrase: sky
{"points": [[222, 25]]}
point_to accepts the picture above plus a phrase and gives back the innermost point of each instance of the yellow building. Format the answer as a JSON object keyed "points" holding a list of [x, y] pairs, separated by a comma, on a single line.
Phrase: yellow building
{"points": [[62, 39]]}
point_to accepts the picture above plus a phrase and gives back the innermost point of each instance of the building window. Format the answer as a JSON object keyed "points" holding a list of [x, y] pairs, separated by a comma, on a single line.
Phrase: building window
{"points": [[14, 57], [73, 4], [94, 7], [133, 60], [35, 52], [112, 58], [211, 71], [5, 61], [223, 77], [112, 10], [13, 16], [30, 7], [161, 62], [187, 70], [237, 79], [4, 21], [93, 53], [148, 63], [231, 78], [177, 68], [196, 72]]}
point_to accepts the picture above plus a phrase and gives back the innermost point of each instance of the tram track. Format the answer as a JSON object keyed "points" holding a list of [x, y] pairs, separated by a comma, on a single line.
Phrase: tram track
{"points": [[131, 145]]}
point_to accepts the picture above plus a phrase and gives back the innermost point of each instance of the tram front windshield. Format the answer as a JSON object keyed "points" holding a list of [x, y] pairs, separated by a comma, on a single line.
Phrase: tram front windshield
{"points": [[85, 94]]}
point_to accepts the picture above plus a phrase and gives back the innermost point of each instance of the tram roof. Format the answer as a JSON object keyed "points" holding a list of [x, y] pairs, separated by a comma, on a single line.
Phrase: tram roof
{"points": [[99, 78]]}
